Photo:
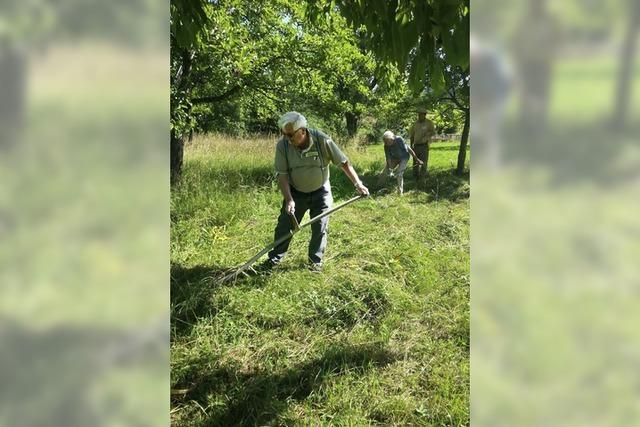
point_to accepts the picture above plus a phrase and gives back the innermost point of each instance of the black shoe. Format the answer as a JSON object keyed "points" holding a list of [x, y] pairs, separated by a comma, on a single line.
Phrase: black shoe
{"points": [[315, 267], [266, 266]]}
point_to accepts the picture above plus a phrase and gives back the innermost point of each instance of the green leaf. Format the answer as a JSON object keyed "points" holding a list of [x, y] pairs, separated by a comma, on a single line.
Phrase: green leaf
{"points": [[461, 43], [437, 78]]}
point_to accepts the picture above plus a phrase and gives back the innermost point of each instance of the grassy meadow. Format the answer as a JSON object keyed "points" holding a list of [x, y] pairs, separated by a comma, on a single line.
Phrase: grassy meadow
{"points": [[381, 337]]}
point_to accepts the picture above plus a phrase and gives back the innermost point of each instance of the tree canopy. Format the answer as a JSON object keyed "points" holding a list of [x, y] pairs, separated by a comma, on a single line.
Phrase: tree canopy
{"points": [[354, 68], [421, 36]]}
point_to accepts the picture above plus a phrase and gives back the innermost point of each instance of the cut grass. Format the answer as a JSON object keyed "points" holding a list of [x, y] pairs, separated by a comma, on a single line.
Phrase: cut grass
{"points": [[381, 337]]}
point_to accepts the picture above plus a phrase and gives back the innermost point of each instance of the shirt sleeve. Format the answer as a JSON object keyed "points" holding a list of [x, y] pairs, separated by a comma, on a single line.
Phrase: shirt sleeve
{"points": [[336, 155], [281, 164]]}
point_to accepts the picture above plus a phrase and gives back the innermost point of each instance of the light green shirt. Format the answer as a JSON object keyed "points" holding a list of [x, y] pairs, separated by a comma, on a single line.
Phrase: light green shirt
{"points": [[421, 132], [308, 169]]}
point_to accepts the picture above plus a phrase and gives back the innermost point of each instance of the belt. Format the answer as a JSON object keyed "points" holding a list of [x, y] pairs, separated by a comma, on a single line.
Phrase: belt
{"points": [[320, 190]]}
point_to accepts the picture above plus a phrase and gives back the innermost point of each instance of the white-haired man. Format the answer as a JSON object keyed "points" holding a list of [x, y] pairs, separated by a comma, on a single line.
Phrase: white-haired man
{"points": [[302, 168], [396, 153]]}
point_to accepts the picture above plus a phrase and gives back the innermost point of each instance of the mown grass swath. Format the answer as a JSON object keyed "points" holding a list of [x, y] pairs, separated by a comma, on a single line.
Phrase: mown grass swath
{"points": [[380, 337]]}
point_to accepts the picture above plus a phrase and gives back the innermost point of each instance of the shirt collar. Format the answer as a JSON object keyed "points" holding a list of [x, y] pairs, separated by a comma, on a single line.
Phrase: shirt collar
{"points": [[310, 144]]}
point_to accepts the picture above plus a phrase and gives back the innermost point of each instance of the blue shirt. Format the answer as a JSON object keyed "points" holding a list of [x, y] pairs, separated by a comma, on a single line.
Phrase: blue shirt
{"points": [[397, 151]]}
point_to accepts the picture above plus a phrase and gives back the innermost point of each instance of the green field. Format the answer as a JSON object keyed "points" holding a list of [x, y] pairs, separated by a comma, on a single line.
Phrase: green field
{"points": [[381, 337]]}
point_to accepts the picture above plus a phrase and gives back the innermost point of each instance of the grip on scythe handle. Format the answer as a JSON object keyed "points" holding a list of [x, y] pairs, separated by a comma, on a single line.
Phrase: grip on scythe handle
{"points": [[294, 222]]}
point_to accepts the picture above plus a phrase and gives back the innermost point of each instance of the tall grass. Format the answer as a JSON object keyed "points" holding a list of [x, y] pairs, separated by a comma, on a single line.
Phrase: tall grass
{"points": [[381, 337]]}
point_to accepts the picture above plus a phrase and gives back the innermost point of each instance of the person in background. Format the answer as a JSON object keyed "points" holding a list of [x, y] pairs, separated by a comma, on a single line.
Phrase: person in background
{"points": [[396, 153], [420, 135]]}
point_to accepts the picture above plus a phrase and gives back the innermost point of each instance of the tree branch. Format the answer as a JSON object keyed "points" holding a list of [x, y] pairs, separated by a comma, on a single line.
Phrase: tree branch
{"points": [[236, 88], [452, 97], [267, 95], [215, 98]]}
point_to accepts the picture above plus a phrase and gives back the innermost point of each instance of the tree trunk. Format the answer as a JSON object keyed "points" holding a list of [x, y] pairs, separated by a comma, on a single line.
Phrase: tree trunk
{"points": [[352, 123], [625, 73], [177, 151], [462, 153], [176, 144]]}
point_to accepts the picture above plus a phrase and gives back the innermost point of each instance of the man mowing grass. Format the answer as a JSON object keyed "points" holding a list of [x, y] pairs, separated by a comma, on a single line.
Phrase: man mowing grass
{"points": [[302, 168], [396, 153]]}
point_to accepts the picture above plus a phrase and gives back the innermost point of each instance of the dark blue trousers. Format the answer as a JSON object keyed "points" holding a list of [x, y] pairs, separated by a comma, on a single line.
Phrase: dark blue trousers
{"points": [[316, 202]]}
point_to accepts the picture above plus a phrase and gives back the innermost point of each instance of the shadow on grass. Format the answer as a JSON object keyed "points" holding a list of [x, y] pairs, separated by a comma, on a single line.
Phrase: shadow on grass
{"points": [[192, 290], [342, 188], [440, 184], [258, 398], [445, 184], [456, 148]]}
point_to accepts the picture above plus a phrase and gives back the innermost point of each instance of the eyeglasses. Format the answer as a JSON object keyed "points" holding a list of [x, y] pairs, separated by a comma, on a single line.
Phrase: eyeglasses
{"points": [[290, 135]]}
